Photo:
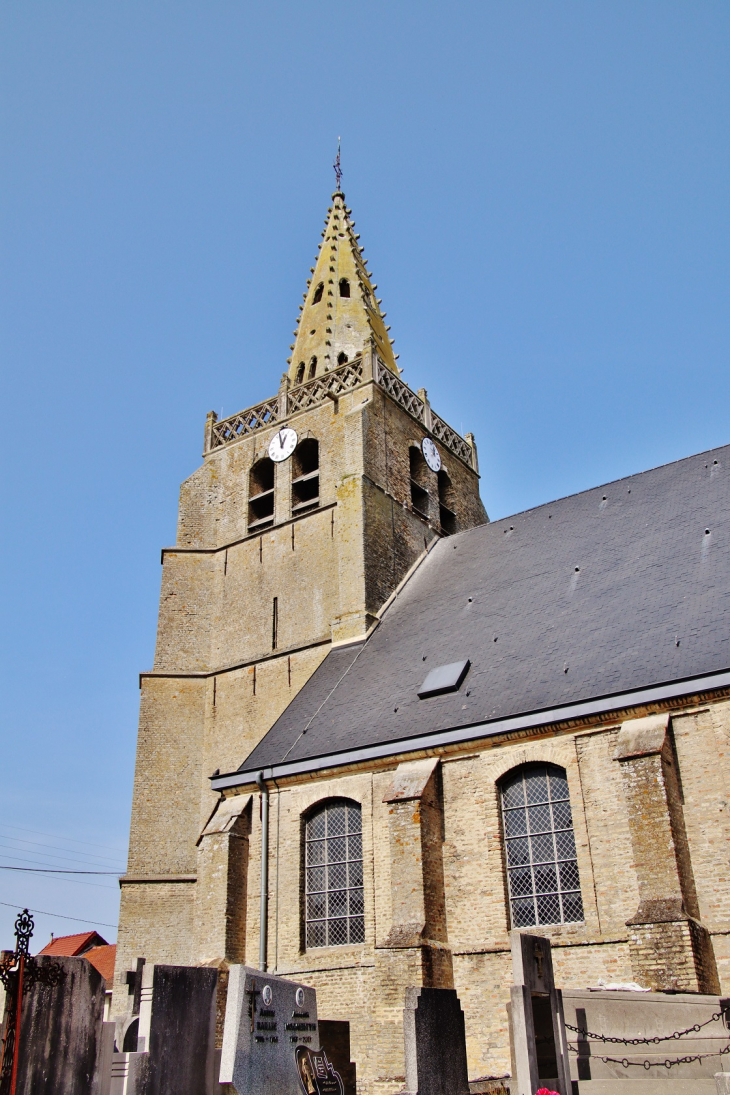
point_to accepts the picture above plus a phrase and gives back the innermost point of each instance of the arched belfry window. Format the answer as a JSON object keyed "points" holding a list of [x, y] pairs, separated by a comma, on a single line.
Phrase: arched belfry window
{"points": [[342, 358], [300, 372], [344, 287], [261, 495], [334, 912], [305, 476], [542, 868], [312, 368], [318, 293]]}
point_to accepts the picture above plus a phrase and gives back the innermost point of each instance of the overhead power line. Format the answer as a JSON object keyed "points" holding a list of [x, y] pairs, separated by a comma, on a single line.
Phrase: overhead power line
{"points": [[75, 855], [52, 870], [55, 836], [62, 916]]}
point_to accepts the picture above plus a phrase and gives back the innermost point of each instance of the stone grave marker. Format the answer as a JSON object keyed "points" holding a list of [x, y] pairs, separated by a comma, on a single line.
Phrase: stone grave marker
{"points": [[181, 1040], [539, 1043], [62, 1046], [435, 1043], [271, 1038]]}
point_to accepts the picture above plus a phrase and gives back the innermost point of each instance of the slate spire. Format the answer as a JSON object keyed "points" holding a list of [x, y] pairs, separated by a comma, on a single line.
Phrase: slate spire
{"points": [[341, 313]]}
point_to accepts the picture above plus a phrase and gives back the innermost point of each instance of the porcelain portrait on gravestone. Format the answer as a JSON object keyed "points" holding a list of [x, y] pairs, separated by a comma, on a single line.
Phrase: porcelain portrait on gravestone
{"points": [[316, 1073]]}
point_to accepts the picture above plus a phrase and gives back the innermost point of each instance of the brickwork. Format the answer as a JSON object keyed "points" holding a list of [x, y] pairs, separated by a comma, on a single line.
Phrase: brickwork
{"points": [[221, 898], [670, 948], [457, 823]]}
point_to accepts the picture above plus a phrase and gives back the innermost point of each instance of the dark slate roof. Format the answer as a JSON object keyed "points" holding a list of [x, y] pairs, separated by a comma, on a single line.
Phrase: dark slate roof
{"points": [[600, 593]]}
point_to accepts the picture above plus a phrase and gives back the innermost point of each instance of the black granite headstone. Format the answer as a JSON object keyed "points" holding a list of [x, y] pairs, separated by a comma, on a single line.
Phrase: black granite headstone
{"points": [[334, 1038], [182, 1031], [435, 1043]]}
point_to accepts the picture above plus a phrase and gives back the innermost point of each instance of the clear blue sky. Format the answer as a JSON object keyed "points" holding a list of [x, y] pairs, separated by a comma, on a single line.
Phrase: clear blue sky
{"points": [[542, 191]]}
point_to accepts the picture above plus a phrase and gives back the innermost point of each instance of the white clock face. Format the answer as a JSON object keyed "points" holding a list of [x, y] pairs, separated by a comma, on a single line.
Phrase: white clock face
{"points": [[431, 454], [282, 444]]}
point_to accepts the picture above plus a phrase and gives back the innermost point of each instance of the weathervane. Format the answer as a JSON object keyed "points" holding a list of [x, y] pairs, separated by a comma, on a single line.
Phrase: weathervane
{"points": [[338, 169]]}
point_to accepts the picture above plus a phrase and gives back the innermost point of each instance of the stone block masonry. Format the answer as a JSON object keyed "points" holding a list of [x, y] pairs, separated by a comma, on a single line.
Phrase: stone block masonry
{"points": [[449, 824], [223, 673]]}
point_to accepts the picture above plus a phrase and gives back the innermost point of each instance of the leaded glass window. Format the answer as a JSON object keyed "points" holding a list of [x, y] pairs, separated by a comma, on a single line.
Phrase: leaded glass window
{"points": [[333, 885], [542, 868]]}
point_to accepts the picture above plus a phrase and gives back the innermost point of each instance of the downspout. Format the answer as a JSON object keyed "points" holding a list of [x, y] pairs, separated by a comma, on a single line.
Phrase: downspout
{"points": [[264, 914]]}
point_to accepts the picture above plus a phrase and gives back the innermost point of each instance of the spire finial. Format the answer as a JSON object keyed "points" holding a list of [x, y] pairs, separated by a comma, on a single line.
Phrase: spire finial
{"points": [[338, 169]]}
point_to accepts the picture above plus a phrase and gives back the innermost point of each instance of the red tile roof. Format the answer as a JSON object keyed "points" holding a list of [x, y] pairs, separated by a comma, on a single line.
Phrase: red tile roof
{"points": [[103, 958], [71, 946]]}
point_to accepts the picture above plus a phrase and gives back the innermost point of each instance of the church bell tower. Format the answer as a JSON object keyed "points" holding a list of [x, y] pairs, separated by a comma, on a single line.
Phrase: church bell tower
{"points": [[306, 514]]}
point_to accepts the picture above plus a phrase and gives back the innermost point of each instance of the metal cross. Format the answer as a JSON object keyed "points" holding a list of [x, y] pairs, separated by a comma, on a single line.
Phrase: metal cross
{"points": [[539, 955], [338, 169], [252, 993]]}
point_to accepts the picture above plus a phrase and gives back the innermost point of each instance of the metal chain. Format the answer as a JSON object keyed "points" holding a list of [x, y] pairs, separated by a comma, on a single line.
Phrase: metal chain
{"points": [[646, 1041], [626, 1063]]}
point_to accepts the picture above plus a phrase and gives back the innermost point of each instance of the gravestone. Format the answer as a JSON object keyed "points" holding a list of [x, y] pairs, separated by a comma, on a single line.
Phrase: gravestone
{"points": [[271, 1038], [539, 1043], [181, 1030], [62, 1048], [168, 1047], [435, 1043], [334, 1039]]}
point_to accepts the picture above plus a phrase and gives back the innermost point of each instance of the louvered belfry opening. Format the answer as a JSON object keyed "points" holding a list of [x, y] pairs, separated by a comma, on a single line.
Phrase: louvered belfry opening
{"points": [[261, 495], [542, 867], [419, 479], [334, 913], [447, 502], [305, 476]]}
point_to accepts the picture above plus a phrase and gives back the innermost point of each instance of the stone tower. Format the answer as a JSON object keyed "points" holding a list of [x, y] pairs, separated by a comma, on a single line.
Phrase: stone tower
{"points": [[276, 561]]}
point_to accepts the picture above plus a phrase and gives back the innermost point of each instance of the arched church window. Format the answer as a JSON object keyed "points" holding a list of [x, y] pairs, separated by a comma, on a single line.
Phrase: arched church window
{"points": [[261, 495], [447, 502], [342, 358], [419, 479], [344, 287], [542, 867], [334, 910], [305, 476], [318, 293], [312, 368], [300, 372]]}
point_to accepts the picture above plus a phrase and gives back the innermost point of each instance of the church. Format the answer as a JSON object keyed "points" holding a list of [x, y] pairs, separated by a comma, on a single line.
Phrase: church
{"points": [[381, 731]]}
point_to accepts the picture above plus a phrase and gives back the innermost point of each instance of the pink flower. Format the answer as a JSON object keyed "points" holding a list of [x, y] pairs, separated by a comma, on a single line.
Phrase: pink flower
{"points": [[546, 1091]]}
